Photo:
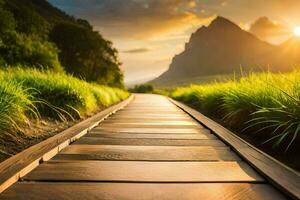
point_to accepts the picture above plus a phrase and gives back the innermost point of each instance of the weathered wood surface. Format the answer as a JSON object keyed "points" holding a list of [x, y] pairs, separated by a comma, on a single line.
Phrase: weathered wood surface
{"points": [[149, 142], [111, 126], [146, 153], [138, 191], [153, 136], [145, 132], [150, 130], [138, 171], [149, 150]]}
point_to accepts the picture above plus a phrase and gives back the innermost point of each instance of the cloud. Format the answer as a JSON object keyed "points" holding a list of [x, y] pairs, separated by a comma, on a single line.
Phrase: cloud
{"points": [[143, 19], [265, 29], [138, 19], [139, 50], [165, 25]]}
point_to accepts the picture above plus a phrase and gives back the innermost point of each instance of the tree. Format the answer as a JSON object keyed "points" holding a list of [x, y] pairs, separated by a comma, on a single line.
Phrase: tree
{"points": [[28, 20], [7, 21], [35, 34], [23, 49], [86, 54], [30, 51]]}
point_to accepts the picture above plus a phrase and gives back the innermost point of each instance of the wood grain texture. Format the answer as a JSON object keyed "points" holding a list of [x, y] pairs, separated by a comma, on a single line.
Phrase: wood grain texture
{"points": [[284, 178], [148, 142], [146, 153], [153, 136], [146, 119], [157, 116], [152, 126], [150, 112], [138, 191], [150, 130], [124, 171], [203, 131], [143, 122]]}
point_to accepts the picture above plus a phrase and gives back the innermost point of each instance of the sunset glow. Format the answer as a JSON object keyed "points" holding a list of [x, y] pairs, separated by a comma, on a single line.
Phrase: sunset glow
{"points": [[297, 31], [149, 33]]}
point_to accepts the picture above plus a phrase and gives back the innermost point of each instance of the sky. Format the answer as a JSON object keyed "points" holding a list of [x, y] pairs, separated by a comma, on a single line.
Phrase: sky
{"points": [[148, 33]]}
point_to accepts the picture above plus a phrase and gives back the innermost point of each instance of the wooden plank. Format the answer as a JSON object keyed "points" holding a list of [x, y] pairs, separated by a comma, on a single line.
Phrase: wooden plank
{"points": [[150, 130], [148, 142], [148, 122], [128, 191], [148, 116], [153, 136], [152, 123], [158, 116], [124, 171], [153, 113], [202, 131], [146, 153], [148, 119], [13, 168], [146, 112], [152, 106], [152, 109], [155, 126], [144, 105], [284, 178]]}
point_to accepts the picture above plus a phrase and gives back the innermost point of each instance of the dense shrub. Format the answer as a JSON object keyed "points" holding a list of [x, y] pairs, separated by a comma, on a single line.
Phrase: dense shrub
{"points": [[143, 88], [20, 49]]}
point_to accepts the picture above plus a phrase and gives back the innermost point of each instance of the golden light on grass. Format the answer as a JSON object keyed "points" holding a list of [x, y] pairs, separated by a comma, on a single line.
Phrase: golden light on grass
{"points": [[297, 31]]}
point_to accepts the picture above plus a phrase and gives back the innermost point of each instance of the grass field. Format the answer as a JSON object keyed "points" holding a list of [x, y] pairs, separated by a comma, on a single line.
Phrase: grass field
{"points": [[27, 95], [264, 105]]}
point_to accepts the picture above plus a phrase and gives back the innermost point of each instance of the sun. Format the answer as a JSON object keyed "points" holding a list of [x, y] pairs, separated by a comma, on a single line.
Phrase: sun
{"points": [[297, 31]]}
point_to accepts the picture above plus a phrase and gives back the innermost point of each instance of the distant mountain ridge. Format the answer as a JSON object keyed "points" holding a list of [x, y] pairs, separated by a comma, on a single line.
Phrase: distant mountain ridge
{"points": [[223, 48]]}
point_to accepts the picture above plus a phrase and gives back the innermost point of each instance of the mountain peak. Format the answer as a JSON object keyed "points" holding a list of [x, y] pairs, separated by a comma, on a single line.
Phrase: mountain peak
{"points": [[221, 48], [220, 29], [223, 23]]}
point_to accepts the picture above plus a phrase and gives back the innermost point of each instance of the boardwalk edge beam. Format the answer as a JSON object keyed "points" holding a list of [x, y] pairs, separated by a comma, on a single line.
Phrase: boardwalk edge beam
{"points": [[17, 166], [282, 177]]}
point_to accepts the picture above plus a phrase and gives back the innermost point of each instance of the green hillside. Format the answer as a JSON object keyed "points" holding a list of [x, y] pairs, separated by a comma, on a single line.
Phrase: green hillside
{"points": [[47, 59], [36, 34]]}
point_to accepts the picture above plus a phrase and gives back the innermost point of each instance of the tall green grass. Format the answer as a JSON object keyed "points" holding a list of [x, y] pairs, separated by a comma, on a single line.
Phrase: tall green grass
{"points": [[29, 93], [266, 104], [14, 103]]}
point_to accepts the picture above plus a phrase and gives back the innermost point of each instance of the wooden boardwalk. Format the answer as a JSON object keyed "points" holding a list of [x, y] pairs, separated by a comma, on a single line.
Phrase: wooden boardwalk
{"points": [[151, 149]]}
